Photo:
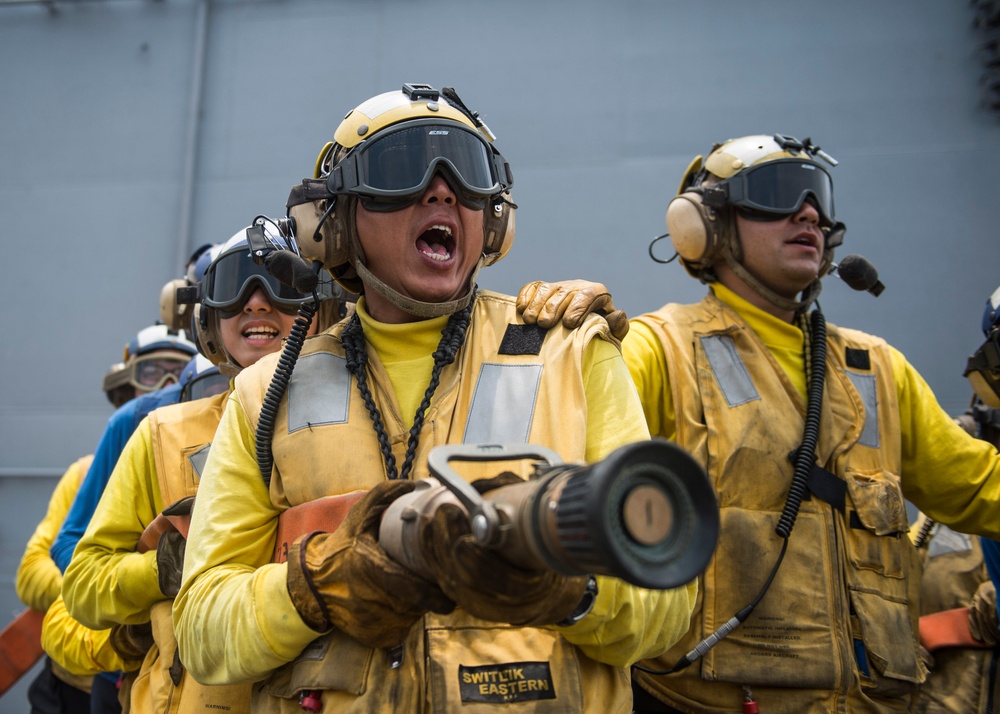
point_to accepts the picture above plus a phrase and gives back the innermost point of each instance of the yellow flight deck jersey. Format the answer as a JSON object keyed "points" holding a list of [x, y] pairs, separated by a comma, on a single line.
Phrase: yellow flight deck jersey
{"points": [[510, 383], [38, 580], [38, 583], [108, 582], [836, 631]]}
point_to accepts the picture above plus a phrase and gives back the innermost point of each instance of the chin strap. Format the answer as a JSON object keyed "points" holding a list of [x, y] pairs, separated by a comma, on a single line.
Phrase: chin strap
{"points": [[808, 295], [417, 308]]}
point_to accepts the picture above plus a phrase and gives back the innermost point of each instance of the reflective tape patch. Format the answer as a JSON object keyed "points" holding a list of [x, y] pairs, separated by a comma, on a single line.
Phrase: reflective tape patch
{"points": [[866, 386], [729, 370], [320, 391], [198, 459], [503, 404], [945, 541], [506, 683]]}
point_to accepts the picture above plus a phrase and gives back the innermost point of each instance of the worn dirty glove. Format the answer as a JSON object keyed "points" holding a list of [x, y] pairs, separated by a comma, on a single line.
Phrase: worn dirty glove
{"points": [[131, 642], [545, 304], [170, 562], [983, 621], [170, 549], [346, 580], [484, 584]]}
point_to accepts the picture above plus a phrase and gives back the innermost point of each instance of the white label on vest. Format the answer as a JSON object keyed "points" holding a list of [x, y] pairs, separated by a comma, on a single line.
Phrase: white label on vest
{"points": [[503, 404], [319, 392]]}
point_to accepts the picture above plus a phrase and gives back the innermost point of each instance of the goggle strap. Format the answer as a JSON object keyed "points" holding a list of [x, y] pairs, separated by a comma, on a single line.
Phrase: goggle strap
{"points": [[307, 191]]}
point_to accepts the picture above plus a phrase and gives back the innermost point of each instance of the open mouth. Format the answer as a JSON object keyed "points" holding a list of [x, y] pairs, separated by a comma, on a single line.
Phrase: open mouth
{"points": [[260, 333], [804, 240], [436, 243]]}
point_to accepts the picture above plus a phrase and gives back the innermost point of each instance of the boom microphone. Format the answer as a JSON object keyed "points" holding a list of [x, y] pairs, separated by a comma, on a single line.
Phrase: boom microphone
{"points": [[860, 274], [292, 270]]}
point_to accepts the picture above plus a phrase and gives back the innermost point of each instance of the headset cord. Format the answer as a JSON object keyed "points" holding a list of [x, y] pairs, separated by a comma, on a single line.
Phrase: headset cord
{"points": [[805, 457], [279, 384]]}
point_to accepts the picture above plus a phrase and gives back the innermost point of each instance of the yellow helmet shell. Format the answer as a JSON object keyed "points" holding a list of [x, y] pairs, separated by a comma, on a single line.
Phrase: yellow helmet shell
{"points": [[391, 108], [734, 155]]}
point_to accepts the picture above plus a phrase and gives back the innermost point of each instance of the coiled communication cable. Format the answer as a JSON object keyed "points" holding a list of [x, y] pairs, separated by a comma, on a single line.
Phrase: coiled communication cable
{"points": [[279, 385]]}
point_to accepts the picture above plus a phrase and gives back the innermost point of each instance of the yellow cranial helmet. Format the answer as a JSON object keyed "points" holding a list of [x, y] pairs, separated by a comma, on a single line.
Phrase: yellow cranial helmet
{"points": [[384, 155], [763, 177]]}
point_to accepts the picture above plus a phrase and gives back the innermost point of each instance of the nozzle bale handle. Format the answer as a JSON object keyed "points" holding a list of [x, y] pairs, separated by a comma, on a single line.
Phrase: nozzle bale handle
{"points": [[398, 531], [484, 516]]}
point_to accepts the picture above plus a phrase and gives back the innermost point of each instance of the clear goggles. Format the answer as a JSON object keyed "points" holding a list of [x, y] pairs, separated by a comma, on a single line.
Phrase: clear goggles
{"points": [[983, 370], [207, 384], [232, 278], [394, 168], [778, 188], [156, 370]]}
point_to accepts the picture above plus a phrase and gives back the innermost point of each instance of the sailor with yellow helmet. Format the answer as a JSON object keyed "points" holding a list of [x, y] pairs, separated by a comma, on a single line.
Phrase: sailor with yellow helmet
{"points": [[408, 203]]}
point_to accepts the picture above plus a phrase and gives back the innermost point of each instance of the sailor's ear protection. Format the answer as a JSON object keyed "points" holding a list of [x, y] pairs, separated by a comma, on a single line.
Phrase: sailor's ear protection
{"points": [[172, 314], [695, 229], [498, 229], [176, 299], [319, 231], [206, 337]]}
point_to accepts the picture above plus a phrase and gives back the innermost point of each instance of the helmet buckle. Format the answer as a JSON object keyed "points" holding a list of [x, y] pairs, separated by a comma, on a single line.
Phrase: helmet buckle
{"points": [[421, 91]]}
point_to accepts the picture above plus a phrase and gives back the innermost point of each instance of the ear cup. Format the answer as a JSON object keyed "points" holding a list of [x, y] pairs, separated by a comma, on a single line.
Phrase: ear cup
{"points": [[498, 229], [692, 230], [209, 343], [173, 315]]}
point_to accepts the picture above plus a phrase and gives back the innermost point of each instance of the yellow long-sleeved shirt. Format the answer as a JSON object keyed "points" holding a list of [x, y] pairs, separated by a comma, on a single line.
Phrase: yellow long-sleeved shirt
{"points": [[38, 580], [948, 474], [78, 649], [107, 581], [234, 619]]}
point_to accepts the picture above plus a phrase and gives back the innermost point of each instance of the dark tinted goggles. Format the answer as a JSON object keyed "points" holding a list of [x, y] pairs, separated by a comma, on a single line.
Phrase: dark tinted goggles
{"points": [[780, 187], [204, 385], [231, 280], [394, 168]]}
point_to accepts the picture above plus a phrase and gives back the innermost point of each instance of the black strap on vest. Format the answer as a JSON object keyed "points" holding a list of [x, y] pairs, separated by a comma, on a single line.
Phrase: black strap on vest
{"points": [[827, 487]]}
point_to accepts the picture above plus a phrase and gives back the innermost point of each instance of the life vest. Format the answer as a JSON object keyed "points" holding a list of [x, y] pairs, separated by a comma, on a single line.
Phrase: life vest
{"points": [[837, 629], [510, 384], [180, 435]]}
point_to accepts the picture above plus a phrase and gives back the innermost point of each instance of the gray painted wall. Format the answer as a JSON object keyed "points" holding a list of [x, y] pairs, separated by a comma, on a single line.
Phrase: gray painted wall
{"points": [[133, 130]]}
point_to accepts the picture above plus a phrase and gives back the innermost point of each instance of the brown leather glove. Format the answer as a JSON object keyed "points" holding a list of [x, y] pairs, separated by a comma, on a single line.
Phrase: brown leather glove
{"points": [[131, 642], [983, 620], [485, 585], [545, 304], [170, 562], [171, 546], [345, 580]]}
